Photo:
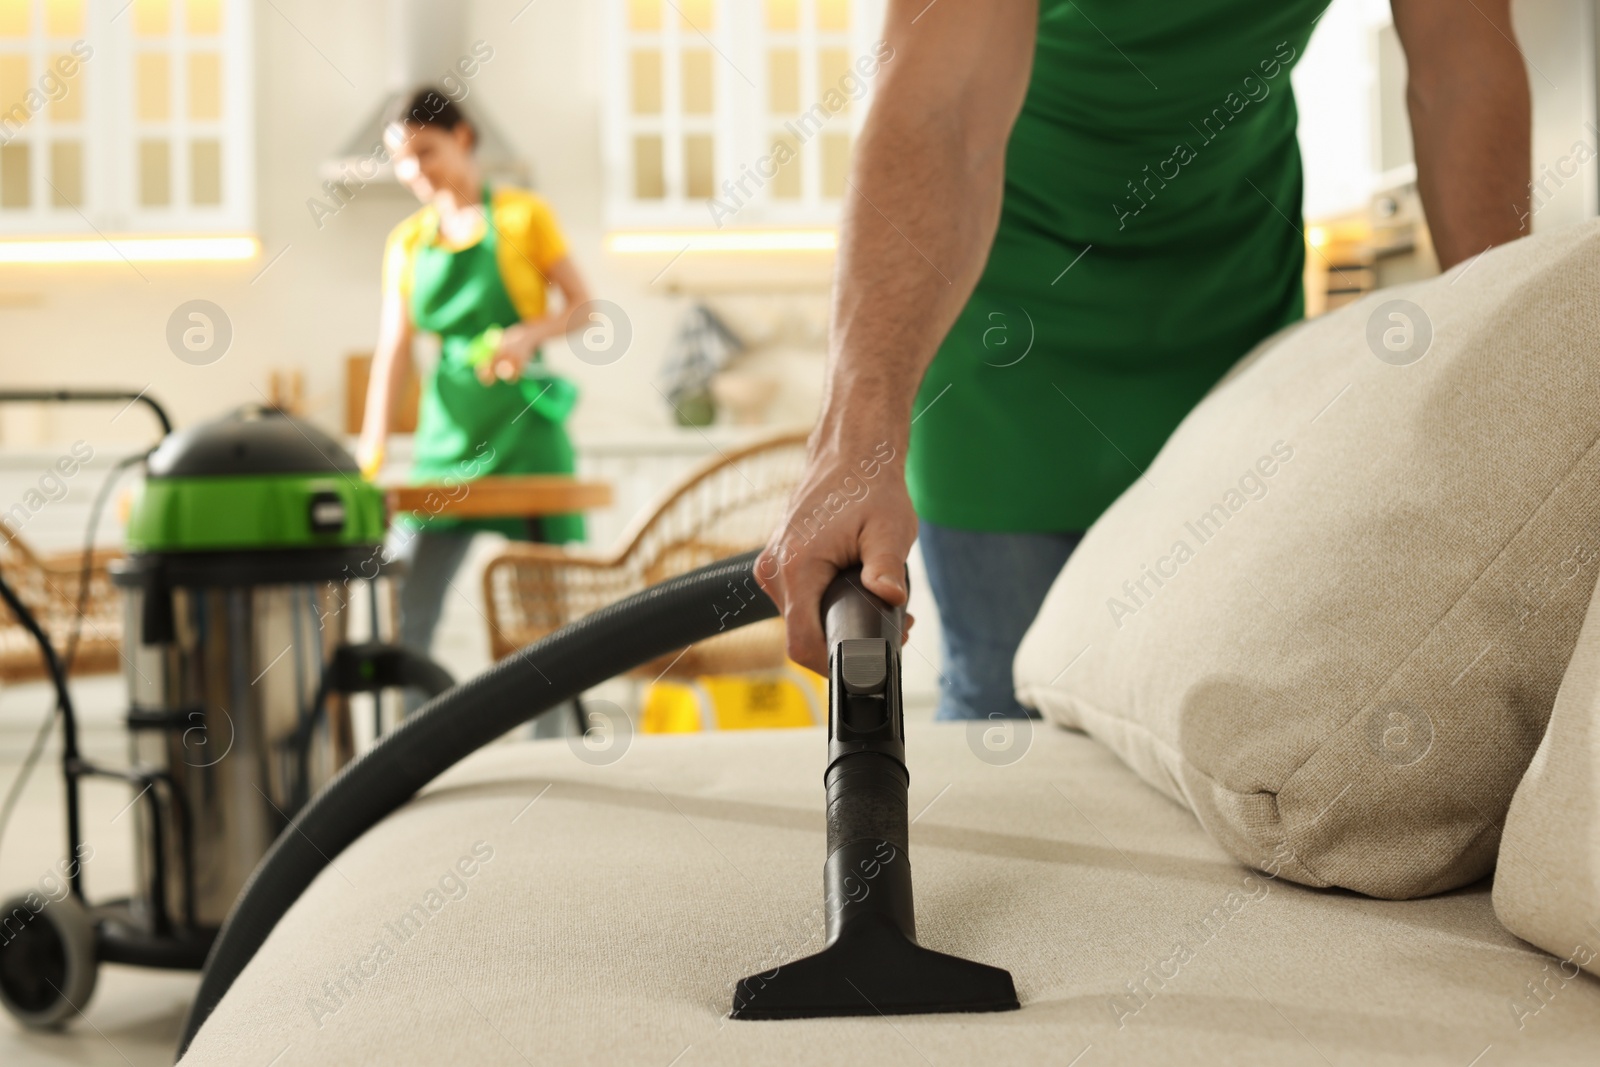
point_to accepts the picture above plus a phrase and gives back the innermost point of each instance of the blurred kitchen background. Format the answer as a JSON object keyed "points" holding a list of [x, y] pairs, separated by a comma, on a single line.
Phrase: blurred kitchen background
{"points": [[236, 139]]}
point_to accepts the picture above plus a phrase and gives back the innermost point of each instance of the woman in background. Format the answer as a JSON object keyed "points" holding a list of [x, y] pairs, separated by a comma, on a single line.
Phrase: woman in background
{"points": [[472, 266]]}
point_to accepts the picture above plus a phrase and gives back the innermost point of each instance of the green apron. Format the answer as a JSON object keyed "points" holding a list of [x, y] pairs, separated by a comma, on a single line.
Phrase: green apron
{"points": [[466, 429], [1149, 237]]}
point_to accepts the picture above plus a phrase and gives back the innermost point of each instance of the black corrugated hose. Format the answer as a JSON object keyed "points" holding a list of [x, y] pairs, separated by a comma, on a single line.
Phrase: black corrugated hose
{"points": [[678, 612], [412, 670]]}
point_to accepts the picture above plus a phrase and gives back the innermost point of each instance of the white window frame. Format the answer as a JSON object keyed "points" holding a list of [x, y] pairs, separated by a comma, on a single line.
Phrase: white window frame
{"points": [[740, 122], [110, 133]]}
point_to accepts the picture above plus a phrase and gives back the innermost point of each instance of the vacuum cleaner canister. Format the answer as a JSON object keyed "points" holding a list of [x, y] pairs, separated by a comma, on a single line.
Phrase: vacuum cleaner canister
{"points": [[872, 964], [254, 545], [246, 541]]}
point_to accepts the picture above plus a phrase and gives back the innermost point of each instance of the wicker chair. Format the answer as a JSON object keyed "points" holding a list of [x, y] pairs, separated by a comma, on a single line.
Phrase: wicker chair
{"points": [[49, 586], [728, 504]]}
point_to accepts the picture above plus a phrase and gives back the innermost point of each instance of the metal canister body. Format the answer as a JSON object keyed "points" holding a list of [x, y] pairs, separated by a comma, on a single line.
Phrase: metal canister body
{"points": [[214, 709]]}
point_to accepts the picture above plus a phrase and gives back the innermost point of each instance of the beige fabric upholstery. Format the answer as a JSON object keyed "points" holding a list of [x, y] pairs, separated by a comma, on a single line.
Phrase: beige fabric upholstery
{"points": [[1547, 884], [621, 903], [1333, 614]]}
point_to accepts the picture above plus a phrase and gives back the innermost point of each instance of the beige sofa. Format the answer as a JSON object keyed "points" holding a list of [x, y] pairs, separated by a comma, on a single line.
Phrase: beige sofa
{"points": [[609, 910], [1344, 684]]}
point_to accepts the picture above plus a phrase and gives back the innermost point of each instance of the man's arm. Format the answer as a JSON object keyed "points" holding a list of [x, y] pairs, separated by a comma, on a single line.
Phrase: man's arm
{"points": [[920, 215], [1467, 93]]}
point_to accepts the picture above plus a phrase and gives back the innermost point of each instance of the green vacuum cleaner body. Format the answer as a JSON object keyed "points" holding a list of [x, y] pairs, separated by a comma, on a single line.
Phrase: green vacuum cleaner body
{"points": [[872, 964], [256, 480]]}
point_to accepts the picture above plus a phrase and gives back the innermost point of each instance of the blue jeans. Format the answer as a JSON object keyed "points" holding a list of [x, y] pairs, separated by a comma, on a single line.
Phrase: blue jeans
{"points": [[988, 587]]}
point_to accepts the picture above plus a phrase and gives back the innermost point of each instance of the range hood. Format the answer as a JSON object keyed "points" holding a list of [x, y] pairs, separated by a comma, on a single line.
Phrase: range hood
{"points": [[426, 41]]}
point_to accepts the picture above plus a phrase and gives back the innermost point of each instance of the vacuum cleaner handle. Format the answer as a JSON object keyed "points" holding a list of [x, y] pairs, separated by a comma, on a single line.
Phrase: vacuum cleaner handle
{"points": [[851, 610], [866, 780], [864, 704], [871, 964]]}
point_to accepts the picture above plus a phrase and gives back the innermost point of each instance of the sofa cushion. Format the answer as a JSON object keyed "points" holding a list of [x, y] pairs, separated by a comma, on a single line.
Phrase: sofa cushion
{"points": [[1332, 615], [1547, 883], [618, 905]]}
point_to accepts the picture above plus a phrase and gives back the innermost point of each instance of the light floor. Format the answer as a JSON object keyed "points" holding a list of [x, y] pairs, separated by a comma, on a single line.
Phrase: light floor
{"points": [[135, 1014]]}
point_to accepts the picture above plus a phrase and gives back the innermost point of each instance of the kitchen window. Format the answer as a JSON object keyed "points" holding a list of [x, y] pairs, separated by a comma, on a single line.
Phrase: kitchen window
{"points": [[727, 113], [125, 116]]}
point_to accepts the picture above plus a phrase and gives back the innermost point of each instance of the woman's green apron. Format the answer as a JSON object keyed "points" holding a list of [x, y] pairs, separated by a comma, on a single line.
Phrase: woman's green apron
{"points": [[466, 429]]}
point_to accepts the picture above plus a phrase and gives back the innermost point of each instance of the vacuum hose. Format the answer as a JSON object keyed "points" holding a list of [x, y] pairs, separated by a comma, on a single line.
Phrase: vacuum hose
{"points": [[617, 638], [363, 668]]}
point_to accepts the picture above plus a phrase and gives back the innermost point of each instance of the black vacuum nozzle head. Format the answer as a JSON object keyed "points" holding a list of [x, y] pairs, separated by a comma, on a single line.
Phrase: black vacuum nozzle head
{"points": [[872, 964], [874, 969]]}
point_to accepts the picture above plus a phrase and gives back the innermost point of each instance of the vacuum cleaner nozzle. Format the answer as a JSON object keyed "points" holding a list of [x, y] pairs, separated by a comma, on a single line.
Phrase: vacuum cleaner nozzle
{"points": [[872, 964]]}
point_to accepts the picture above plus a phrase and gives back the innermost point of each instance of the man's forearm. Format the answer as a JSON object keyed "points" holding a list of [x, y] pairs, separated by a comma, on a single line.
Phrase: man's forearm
{"points": [[916, 231], [920, 213], [921, 207], [1470, 124]]}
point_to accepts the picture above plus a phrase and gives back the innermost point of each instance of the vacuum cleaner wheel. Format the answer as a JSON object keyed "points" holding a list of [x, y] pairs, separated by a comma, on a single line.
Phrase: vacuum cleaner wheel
{"points": [[47, 960]]}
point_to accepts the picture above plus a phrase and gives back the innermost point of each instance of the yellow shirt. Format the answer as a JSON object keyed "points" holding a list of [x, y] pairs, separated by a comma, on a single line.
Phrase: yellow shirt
{"points": [[530, 243]]}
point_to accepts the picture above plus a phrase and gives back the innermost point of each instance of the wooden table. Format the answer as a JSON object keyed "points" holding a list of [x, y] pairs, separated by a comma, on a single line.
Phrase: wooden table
{"points": [[499, 496]]}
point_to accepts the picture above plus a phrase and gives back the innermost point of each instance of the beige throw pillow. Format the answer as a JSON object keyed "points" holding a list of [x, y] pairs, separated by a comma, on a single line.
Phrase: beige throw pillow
{"points": [[1547, 884], [1333, 614]]}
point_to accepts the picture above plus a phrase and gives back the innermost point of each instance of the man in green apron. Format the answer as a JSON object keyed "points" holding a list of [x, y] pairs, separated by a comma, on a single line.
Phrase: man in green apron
{"points": [[472, 267], [1067, 219]]}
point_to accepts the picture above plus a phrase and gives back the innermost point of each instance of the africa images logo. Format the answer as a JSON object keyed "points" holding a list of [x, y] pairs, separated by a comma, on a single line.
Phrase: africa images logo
{"points": [[1138, 592], [1255, 88]]}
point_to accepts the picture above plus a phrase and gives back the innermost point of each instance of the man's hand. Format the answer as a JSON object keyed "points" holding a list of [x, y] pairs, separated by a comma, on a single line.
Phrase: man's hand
{"points": [[852, 505]]}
